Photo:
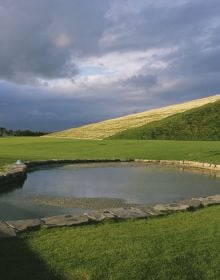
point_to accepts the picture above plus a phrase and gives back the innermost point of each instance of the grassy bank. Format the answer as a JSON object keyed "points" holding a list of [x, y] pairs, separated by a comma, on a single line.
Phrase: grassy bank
{"points": [[202, 123], [104, 129], [182, 246], [35, 148]]}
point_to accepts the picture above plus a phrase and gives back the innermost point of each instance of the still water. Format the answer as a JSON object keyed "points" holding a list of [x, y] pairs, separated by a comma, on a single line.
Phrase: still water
{"points": [[131, 183]]}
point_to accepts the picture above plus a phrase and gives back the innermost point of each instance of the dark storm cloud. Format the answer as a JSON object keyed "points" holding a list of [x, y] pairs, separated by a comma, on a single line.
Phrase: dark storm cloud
{"points": [[162, 25], [43, 38], [39, 39], [141, 81], [22, 108], [190, 27], [49, 39]]}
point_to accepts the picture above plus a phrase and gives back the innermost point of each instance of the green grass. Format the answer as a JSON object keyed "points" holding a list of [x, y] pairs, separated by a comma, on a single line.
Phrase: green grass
{"points": [[182, 246], [107, 128], [202, 123], [35, 148]]}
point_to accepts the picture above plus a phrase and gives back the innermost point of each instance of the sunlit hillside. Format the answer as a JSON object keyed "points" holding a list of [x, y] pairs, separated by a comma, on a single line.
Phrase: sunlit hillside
{"points": [[202, 123], [110, 127]]}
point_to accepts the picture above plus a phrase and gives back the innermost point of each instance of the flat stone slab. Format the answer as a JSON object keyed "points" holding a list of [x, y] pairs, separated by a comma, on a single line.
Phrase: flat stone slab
{"points": [[151, 211], [17, 167], [170, 207], [6, 231], [209, 200], [10, 228], [22, 225], [64, 220], [128, 213], [192, 202], [98, 216]]}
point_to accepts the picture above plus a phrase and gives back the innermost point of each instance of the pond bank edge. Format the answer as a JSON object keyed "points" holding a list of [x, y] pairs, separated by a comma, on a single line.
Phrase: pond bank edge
{"points": [[17, 173]]}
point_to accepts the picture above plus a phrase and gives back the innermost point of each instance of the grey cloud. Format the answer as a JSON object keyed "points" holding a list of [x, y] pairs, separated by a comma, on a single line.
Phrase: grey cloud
{"points": [[47, 39], [46, 112], [41, 39], [163, 25], [192, 27], [141, 81], [25, 110], [196, 61]]}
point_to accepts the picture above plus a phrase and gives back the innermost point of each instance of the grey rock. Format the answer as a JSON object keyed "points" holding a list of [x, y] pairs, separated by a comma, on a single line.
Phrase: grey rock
{"points": [[170, 207], [22, 225], [6, 231], [151, 211], [101, 215], [193, 203], [14, 174], [128, 213], [209, 200], [64, 220]]}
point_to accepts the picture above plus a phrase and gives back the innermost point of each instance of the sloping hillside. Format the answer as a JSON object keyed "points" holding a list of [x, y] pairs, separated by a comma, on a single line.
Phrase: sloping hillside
{"points": [[202, 123], [110, 127]]}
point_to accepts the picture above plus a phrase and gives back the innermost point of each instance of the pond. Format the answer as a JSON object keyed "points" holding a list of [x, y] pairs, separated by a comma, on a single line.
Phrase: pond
{"points": [[77, 188]]}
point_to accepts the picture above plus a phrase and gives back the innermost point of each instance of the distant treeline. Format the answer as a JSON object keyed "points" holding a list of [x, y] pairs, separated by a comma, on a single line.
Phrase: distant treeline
{"points": [[8, 132]]}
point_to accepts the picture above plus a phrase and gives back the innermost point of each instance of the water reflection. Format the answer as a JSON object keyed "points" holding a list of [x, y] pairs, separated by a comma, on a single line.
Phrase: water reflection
{"points": [[66, 189], [12, 185]]}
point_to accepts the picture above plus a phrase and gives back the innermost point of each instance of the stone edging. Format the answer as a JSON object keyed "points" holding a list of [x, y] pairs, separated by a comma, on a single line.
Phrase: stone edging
{"points": [[184, 163], [11, 228], [18, 173], [14, 175]]}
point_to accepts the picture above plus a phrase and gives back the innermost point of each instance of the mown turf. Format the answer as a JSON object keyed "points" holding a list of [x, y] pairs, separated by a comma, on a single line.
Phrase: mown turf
{"points": [[36, 148], [202, 123], [182, 246]]}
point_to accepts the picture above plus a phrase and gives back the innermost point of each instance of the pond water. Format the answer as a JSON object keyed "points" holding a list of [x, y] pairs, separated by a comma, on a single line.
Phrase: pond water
{"points": [[76, 188]]}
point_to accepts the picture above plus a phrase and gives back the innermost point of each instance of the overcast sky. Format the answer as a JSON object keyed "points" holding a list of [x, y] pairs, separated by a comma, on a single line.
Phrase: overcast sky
{"points": [[66, 63]]}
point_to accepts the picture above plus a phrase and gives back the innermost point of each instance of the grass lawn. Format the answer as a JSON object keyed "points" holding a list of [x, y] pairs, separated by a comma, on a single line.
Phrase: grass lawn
{"points": [[182, 246], [36, 148]]}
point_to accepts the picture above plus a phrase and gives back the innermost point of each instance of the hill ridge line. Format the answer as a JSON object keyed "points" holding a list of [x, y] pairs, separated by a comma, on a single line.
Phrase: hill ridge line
{"points": [[107, 128]]}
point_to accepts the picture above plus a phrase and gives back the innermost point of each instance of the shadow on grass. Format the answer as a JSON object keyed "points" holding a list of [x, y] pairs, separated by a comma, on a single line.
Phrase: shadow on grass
{"points": [[18, 262]]}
